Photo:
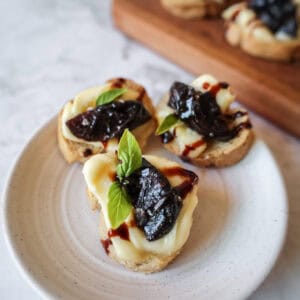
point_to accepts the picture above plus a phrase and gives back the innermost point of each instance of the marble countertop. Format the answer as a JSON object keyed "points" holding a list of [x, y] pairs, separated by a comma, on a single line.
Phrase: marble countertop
{"points": [[52, 49]]}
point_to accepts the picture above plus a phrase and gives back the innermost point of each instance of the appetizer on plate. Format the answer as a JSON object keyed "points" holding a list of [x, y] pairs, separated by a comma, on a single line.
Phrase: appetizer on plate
{"points": [[146, 205], [95, 119], [190, 9], [265, 28], [197, 123]]}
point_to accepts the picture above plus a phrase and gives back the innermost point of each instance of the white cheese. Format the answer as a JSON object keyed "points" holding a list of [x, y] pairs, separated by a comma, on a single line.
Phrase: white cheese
{"points": [[224, 96], [97, 172], [263, 33]]}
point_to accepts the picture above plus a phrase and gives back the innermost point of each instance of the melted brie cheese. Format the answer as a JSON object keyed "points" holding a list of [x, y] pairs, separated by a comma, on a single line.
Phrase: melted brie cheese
{"points": [[224, 97], [84, 101], [97, 172], [185, 136]]}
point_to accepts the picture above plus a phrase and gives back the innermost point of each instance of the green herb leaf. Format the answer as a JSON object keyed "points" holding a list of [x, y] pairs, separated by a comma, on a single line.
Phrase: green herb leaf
{"points": [[118, 205], [129, 153], [109, 96], [166, 124]]}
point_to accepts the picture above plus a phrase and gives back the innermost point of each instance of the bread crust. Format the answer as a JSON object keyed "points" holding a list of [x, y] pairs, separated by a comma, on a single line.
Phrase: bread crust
{"points": [[93, 200], [273, 49], [74, 151], [220, 155], [217, 154], [194, 8]]}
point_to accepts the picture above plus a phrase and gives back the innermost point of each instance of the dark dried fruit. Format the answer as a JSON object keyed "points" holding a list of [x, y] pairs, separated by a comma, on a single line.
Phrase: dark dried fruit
{"points": [[156, 203], [278, 15], [290, 27], [108, 121], [166, 137], [199, 111]]}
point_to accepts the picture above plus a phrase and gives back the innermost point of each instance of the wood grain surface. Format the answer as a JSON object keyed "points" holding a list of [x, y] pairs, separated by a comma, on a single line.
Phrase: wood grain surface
{"points": [[272, 89]]}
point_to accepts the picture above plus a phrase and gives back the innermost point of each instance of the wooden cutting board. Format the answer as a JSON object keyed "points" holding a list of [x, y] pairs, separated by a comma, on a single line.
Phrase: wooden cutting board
{"points": [[272, 89]]}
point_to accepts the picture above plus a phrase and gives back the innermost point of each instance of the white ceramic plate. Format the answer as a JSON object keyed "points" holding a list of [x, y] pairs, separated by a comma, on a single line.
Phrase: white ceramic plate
{"points": [[239, 227]]}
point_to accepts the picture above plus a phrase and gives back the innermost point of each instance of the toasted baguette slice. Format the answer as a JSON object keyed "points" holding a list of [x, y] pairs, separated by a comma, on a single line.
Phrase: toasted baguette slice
{"points": [[215, 153], [220, 154], [80, 151], [137, 254], [223, 154], [255, 38], [191, 9]]}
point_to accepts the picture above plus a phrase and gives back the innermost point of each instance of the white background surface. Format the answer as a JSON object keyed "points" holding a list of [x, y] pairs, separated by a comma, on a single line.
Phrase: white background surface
{"points": [[50, 50]]}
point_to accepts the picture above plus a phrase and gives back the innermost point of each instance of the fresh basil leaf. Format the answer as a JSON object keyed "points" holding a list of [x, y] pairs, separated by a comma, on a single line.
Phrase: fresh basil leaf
{"points": [[129, 153], [118, 205], [109, 96], [166, 124]]}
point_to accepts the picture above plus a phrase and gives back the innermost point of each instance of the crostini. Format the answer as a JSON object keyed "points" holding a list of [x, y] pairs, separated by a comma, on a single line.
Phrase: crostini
{"points": [[95, 119], [268, 29], [197, 123]]}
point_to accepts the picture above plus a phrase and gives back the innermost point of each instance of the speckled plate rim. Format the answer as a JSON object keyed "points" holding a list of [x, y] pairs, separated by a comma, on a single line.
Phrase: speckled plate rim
{"points": [[6, 230], [41, 291]]}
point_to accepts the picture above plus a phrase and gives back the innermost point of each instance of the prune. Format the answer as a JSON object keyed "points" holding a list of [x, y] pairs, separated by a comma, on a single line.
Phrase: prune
{"points": [[166, 137], [157, 204], [108, 121], [290, 27], [278, 15], [270, 21], [199, 111]]}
